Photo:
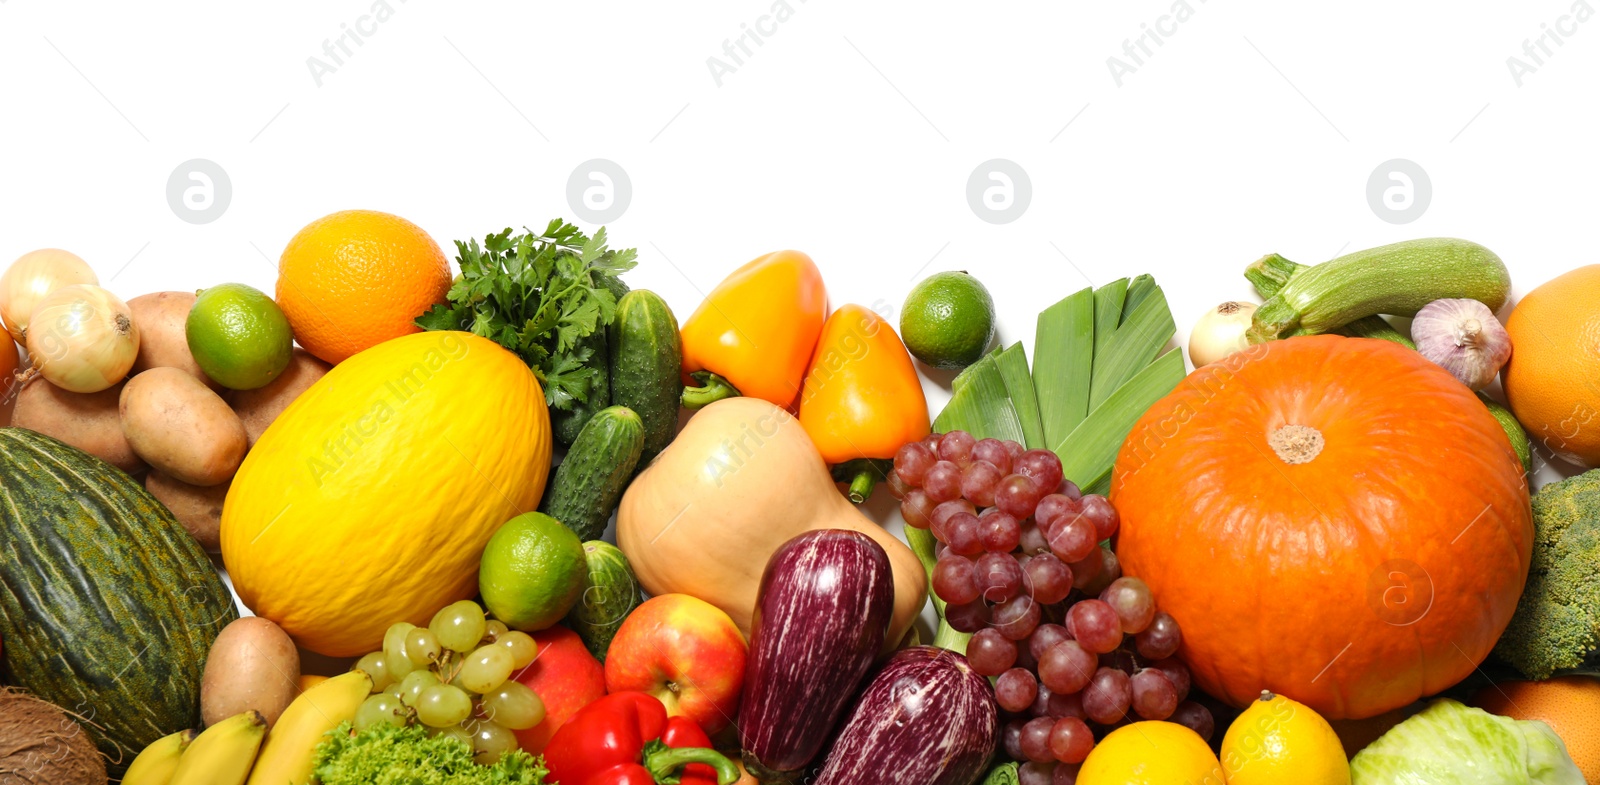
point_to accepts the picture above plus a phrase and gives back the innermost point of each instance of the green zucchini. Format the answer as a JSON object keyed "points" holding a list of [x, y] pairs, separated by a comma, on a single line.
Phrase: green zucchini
{"points": [[647, 366], [1513, 429], [1393, 279], [590, 480], [108, 607], [565, 425], [609, 595]]}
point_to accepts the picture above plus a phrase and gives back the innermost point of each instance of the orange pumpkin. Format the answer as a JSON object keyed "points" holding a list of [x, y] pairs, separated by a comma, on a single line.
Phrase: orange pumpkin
{"points": [[1337, 520]]}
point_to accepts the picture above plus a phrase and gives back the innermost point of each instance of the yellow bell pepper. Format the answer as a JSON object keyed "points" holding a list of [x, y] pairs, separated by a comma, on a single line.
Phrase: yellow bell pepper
{"points": [[754, 334], [862, 399]]}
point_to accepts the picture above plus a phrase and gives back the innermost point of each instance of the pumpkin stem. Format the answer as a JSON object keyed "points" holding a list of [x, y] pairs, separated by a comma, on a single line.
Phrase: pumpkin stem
{"points": [[1296, 444]]}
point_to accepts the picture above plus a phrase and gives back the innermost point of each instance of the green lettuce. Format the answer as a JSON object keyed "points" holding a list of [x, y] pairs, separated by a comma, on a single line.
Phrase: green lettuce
{"points": [[1452, 744], [386, 755]]}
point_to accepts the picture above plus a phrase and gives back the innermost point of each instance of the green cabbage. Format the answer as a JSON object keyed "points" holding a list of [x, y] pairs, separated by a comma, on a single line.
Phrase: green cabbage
{"points": [[1452, 744]]}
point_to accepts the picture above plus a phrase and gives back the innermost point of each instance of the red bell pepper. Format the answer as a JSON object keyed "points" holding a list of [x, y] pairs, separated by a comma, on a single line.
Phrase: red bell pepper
{"points": [[627, 739]]}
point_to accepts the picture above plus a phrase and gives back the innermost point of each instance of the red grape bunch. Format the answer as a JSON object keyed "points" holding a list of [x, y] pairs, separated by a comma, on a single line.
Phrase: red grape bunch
{"points": [[1074, 645]]}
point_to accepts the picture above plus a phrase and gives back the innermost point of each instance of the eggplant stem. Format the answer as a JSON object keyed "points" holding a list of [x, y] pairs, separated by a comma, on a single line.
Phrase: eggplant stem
{"points": [[712, 388]]}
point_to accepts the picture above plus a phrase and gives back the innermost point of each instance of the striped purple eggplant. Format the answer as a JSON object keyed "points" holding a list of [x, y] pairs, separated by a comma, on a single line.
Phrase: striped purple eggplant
{"points": [[821, 617], [925, 719]]}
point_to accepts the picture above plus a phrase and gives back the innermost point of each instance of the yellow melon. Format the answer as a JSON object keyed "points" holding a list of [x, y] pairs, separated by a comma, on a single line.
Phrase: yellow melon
{"points": [[370, 499]]}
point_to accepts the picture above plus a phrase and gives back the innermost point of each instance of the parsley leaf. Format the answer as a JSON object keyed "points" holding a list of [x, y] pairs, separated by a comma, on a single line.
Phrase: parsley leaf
{"points": [[538, 295]]}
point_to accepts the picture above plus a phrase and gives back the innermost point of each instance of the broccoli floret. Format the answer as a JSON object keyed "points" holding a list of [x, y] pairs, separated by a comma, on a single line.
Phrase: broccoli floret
{"points": [[1557, 623]]}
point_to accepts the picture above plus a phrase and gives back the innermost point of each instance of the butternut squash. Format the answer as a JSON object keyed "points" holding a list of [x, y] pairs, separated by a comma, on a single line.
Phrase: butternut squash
{"points": [[740, 480]]}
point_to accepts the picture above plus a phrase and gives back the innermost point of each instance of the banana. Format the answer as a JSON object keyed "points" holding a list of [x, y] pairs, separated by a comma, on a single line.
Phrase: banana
{"points": [[224, 753], [290, 752], [156, 763]]}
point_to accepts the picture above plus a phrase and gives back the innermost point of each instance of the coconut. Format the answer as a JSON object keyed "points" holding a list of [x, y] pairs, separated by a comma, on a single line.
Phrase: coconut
{"points": [[40, 743]]}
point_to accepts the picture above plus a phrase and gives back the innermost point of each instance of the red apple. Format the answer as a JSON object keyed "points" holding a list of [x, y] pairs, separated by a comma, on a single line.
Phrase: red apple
{"points": [[566, 677], [684, 651]]}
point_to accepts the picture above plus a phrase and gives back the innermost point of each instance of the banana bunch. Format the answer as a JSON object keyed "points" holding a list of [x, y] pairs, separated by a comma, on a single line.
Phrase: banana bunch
{"points": [[227, 752]]}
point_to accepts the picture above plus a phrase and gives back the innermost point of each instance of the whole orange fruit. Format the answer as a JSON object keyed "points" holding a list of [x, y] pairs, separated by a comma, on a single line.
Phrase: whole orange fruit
{"points": [[354, 279], [1553, 379], [1570, 705]]}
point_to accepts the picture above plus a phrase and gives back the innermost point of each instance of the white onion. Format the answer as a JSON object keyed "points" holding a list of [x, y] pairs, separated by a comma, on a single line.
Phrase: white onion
{"points": [[32, 276], [1220, 332], [82, 338]]}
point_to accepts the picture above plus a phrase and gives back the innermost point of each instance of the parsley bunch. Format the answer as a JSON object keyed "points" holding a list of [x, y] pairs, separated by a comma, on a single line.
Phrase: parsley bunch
{"points": [[539, 295]]}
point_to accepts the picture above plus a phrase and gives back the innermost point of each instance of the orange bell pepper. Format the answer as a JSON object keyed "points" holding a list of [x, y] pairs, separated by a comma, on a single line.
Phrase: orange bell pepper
{"points": [[753, 335], [862, 398]]}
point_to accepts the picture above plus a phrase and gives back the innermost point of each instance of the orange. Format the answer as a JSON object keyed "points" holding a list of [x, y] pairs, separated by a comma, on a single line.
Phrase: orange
{"points": [[354, 279], [1570, 705], [1553, 380]]}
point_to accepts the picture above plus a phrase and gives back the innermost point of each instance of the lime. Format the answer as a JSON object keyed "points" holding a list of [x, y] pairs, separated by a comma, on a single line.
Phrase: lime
{"points": [[948, 320], [533, 571], [238, 336]]}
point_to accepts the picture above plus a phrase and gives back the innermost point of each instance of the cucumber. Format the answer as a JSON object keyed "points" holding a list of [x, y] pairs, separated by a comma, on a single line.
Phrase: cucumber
{"points": [[647, 366], [609, 595], [1393, 279], [591, 478], [565, 425]]}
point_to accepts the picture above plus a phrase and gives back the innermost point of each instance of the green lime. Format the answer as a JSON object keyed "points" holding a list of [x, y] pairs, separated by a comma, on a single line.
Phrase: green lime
{"points": [[239, 336], [948, 320], [533, 571]]}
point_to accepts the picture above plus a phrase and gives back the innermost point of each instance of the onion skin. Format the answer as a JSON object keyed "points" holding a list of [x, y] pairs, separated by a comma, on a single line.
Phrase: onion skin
{"points": [[31, 278], [1220, 332], [1463, 337], [925, 719], [83, 339], [822, 614]]}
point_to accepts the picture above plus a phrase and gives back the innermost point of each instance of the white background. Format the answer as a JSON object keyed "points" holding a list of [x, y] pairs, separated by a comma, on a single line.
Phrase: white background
{"points": [[849, 133]]}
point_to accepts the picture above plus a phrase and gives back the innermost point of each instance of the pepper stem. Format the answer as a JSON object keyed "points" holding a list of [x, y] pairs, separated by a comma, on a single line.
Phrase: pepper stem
{"points": [[663, 763], [713, 388], [863, 475]]}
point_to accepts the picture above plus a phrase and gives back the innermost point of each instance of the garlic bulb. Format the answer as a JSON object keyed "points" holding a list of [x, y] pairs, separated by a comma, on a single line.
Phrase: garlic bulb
{"points": [[82, 339], [1220, 332], [32, 276], [1464, 338]]}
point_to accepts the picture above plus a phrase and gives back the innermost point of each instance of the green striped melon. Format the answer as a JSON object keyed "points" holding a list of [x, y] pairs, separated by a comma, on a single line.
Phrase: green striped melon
{"points": [[107, 606]]}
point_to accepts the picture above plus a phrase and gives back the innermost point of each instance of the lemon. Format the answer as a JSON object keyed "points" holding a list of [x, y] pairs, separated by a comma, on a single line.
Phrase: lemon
{"points": [[238, 336], [948, 320], [1152, 753], [533, 571], [1279, 740]]}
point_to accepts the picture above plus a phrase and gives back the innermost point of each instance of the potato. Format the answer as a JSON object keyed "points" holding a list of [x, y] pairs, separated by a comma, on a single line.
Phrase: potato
{"points": [[259, 407], [163, 338], [198, 509], [252, 665], [181, 427], [87, 421]]}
